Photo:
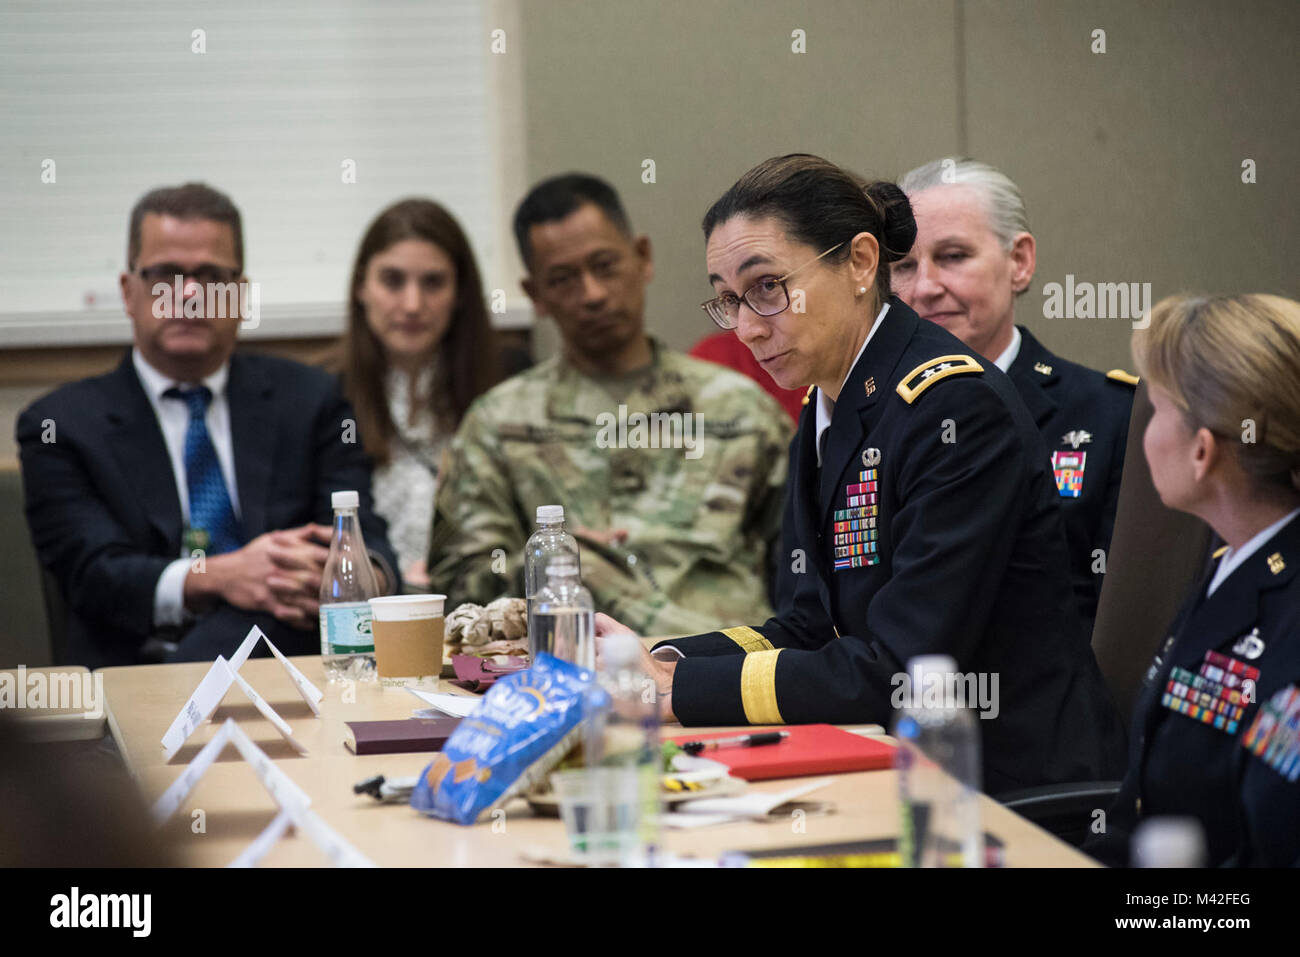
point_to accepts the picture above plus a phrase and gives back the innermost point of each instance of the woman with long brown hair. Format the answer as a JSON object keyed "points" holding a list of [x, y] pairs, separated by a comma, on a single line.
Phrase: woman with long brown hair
{"points": [[418, 349]]}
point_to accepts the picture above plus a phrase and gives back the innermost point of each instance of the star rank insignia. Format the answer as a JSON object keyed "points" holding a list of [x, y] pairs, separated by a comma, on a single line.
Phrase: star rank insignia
{"points": [[1077, 437], [1275, 563], [935, 370]]}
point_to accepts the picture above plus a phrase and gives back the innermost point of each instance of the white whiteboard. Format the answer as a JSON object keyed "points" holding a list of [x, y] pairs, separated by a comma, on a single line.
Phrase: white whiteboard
{"points": [[286, 91]]}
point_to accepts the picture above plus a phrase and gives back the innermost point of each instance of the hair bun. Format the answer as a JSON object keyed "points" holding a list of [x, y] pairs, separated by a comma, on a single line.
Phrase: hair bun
{"points": [[900, 223]]}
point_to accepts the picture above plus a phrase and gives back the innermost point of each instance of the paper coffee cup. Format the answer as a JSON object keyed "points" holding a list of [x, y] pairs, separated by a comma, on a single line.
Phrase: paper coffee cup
{"points": [[408, 633]]}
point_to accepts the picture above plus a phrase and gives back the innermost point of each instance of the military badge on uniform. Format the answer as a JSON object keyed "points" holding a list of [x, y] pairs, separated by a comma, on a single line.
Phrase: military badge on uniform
{"points": [[1274, 736], [1077, 437], [1217, 695], [855, 533], [1275, 563], [870, 458], [1068, 469], [870, 385], [1249, 646], [1042, 368]]}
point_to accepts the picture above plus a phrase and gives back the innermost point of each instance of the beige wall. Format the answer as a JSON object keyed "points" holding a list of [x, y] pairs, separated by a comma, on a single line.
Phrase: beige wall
{"points": [[1130, 160]]}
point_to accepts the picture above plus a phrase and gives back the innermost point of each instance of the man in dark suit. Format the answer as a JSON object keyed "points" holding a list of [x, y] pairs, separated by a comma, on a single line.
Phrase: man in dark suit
{"points": [[184, 497], [973, 255]]}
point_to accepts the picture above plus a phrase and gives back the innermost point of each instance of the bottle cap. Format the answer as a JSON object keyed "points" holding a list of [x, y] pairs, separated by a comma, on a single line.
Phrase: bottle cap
{"points": [[924, 674], [1169, 842], [345, 500], [930, 664], [550, 514], [619, 651]]}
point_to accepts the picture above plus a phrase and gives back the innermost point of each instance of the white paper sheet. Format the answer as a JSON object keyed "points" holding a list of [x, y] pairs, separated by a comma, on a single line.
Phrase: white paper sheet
{"points": [[456, 705]]}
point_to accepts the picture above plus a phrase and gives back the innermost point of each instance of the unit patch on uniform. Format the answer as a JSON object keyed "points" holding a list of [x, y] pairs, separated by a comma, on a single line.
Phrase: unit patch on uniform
{"points": [[1068, 469], [854, 533], [1274, 737]]}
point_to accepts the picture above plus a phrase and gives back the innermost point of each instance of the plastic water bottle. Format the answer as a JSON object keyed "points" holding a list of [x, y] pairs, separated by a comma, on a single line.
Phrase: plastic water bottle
{"points": [[346, 588], [938, 760], [621, 750], [549, 541], [563, 620]]}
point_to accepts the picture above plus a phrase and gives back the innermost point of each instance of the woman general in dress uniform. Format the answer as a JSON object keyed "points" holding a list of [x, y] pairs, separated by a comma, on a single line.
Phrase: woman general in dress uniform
{"points": [[921, 516], [973, 256], [1216, 732]]}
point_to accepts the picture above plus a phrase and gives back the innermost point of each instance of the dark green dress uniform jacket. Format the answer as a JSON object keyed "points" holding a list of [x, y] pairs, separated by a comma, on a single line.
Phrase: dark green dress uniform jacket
{"points": [[1188, 763], [936, 502], [1083, 416]]}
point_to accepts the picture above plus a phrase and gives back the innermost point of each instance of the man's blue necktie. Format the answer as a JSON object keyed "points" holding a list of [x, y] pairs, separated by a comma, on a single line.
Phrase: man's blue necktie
{"points": [[210, 508]]}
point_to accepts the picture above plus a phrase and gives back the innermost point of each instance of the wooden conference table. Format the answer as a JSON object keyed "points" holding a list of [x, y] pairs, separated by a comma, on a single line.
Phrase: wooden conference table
{"points": [[143, 700]]}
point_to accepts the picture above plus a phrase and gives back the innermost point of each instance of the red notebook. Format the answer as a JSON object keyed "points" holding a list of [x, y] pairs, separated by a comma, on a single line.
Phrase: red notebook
{"points": [[810, 749]]}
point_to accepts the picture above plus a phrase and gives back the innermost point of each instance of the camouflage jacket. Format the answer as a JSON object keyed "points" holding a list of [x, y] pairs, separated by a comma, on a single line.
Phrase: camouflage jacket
{"points": [[700, 516]]}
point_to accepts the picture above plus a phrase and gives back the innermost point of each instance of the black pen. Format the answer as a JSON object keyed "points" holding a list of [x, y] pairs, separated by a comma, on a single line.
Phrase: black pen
{"points": [[739, 741]]}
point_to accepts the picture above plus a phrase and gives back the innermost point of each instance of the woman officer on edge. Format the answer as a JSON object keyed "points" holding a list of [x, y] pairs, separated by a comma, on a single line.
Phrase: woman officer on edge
{"points": [[1216, 732]]}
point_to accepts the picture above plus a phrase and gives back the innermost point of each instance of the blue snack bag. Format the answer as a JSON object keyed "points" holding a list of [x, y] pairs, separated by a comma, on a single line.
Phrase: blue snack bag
{"points": [[527, 723]]}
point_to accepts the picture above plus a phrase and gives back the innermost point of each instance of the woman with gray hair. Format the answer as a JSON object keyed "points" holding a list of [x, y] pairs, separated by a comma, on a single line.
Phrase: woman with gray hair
{"points": [[973, 255]]}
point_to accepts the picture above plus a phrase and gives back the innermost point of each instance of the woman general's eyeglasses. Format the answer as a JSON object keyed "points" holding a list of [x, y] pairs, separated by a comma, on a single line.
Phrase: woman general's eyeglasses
{"points": [[767, 297]]}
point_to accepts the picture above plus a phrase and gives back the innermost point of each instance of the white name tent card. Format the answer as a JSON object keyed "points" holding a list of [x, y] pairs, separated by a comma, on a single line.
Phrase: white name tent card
{"points": [[277, 783], [207, 696], [310, 693], [293, 801]]}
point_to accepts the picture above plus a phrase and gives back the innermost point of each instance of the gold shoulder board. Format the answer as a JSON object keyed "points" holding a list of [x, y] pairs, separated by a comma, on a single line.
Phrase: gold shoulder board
{"points": [[932, 371], [1119, 375]]}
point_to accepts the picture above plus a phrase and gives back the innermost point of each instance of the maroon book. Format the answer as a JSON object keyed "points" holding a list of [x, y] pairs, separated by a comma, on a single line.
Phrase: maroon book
{"points": [[399, 736]]}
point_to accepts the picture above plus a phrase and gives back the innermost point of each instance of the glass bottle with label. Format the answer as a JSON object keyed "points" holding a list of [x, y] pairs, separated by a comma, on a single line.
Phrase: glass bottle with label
{"points": [[346, 587]]}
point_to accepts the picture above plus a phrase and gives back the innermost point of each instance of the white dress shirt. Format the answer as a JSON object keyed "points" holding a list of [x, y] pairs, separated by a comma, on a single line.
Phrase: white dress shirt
{"points": [[825, 407], [1009, 354], [174, 420], [1231, 560]]}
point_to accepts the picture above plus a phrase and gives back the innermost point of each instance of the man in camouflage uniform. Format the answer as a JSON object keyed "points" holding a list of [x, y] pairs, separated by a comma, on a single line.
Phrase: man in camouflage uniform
{"points": [[671, 470]]}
